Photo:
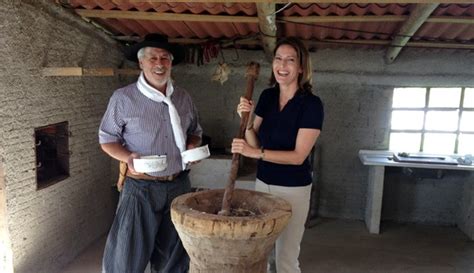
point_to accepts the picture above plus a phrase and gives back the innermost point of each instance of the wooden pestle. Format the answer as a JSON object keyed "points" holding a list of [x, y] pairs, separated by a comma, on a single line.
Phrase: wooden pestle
{"points": [[251, 75]]}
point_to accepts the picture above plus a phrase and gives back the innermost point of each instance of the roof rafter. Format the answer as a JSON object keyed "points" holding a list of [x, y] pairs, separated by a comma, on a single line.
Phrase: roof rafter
{"points": [[162, 16], [417, 17], [254, 42]]}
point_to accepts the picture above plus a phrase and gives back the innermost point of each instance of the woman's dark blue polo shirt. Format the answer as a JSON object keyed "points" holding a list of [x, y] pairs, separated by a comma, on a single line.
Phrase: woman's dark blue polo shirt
{"points": [[279, 130]]}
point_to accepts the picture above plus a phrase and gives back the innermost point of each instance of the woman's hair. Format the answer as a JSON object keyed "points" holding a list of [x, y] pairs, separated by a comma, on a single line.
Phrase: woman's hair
{"points": [[304, 78]]}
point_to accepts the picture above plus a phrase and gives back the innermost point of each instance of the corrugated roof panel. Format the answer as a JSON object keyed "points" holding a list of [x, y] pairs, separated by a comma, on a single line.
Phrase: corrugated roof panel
{"points": [[220, 8], [348, 30], [178, 29], [105, 4], [144, 6], [135, 26], [319, 31], [172, 29], [180, 7], [356, 30], [431, 31], [218, 30], [246, 29], [454, 10], [147, 25], [345, 9], [468, 34], [116, 26]]}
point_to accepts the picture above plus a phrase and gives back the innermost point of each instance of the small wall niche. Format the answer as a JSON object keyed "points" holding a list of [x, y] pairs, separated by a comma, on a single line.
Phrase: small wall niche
{"points": [[52, 154]]}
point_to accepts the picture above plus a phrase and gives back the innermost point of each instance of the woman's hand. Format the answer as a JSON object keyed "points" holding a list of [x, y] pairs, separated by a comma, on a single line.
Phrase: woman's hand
{"points": [[245, 106], [240, 146]]}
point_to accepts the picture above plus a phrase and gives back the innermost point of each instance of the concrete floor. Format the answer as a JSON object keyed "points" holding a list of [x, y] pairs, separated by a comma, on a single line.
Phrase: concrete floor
{"points": [[340, 246]]}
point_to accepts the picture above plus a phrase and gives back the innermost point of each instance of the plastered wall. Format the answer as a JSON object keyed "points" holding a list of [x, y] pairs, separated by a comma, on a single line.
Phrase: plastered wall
{"points": [[49, 227]]}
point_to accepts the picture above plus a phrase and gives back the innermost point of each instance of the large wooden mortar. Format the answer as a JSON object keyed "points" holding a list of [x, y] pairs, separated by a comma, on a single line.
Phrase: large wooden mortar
{"points": [[229, 244]]}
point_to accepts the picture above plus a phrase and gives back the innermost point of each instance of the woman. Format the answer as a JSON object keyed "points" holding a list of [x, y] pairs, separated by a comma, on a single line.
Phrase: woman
{"points": [[288, 121]]}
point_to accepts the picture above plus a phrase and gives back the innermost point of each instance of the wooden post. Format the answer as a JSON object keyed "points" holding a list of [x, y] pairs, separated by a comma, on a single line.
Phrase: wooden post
{"points": [[251, 75]]}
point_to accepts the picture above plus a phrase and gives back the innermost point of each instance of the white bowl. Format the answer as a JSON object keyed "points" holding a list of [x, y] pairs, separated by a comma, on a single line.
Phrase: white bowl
{"points": [[150, 163], [195, 154]]}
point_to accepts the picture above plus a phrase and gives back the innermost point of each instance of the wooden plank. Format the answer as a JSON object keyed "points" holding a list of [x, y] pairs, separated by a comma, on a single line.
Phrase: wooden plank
{"points": [[417, 17], [441, 45], [62, 71], [254, 41], [374, 19], [161, 16], [343, 19], [101, 72], [451, 19], [81, 72], [386, 43]]}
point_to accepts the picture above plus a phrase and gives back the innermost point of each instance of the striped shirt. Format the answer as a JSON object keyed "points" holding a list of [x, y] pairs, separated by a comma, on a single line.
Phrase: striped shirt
{"points": [[143, 126]]}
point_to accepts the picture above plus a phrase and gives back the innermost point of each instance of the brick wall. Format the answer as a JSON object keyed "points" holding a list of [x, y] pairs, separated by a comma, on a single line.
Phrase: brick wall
{"points": [[49, 227]]}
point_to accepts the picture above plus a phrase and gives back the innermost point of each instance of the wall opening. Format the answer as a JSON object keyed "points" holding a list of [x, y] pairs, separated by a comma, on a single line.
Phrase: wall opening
{"points": [[52, 154]]}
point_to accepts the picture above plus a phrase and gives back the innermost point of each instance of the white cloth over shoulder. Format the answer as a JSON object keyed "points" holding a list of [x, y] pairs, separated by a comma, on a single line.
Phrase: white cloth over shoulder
{"points": [[155, 95]]}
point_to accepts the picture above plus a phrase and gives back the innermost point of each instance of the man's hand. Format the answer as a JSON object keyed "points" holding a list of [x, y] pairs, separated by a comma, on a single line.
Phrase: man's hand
{"points": [[190, 163], [130, 163], [192, 142]]}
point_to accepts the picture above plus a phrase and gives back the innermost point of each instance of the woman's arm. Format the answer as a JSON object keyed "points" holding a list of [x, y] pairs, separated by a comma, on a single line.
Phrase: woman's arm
{"points": [[251, 133], [305, 141]]}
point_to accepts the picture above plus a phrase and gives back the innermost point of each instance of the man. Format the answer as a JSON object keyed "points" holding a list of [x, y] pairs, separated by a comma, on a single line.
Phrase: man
{"points": [[149, 117]]}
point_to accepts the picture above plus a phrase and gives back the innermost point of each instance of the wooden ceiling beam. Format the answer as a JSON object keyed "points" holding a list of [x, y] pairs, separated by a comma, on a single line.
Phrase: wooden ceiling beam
{"points": [[417, 17], [156, 16], [163, 16], [254, 42], [82, 72], [451, 19], [268, 28], [107, 72], [374, 19], [441, 45]]}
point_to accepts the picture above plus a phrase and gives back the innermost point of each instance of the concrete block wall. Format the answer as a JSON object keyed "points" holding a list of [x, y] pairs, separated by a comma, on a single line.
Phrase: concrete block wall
{"points": [[217, 103], [356, 88], [466, 215], [49, 227]]}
